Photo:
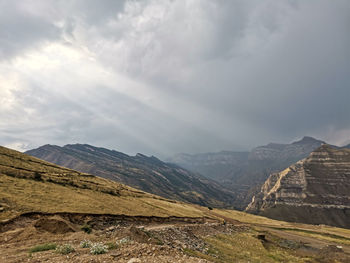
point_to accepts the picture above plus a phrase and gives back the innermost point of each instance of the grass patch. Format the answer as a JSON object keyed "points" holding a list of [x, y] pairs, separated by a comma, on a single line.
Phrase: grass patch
{"points": [[65, 249], [85, 243], [98, 248], [43, 247], [244, 247], [111, 245], [312, 232], [318, 235]]}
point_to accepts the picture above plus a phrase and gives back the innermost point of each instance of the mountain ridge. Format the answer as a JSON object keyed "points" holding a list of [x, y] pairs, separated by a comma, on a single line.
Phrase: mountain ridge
{"points": [[146, 173]]}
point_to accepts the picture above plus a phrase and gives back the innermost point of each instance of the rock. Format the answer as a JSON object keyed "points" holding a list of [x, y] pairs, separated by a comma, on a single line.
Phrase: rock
{"points": [[111, 228], [54, 225], [134, 260], [116, 255], [314, 190]]}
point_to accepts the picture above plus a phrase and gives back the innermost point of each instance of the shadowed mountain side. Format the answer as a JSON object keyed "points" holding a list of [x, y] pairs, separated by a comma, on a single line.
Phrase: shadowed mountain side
{"points": [[314, 190], [146, 173]]}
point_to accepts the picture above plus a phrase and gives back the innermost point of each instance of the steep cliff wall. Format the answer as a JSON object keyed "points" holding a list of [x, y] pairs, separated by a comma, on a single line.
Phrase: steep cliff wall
{"points": [[314, 190]]}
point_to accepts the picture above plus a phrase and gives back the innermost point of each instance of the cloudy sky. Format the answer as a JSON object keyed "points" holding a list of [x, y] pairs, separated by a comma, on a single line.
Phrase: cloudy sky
{"points": [[162, 77]]}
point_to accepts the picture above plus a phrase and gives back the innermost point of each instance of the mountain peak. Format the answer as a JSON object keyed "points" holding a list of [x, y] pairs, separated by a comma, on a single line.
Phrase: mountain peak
{"points": [[308, 140]]}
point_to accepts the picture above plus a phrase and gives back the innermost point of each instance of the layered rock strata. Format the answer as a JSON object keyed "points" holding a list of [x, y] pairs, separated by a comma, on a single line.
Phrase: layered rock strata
{"points": [[315, 190]]}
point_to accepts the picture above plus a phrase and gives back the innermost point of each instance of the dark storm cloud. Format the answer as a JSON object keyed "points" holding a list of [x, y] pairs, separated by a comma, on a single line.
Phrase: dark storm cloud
{"points": [[23, 25], [168, 76]]}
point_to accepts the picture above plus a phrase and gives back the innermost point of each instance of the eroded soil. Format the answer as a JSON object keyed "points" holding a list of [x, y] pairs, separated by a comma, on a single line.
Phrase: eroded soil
{"points": [[150, 239]]}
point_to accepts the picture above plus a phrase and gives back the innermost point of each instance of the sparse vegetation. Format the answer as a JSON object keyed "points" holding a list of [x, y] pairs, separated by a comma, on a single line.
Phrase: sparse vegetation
{"points": [[123, 241], [85, 243], [37, 176], [98, 248], [65, 249], [43, 247], [111, 245], [243, 247]]}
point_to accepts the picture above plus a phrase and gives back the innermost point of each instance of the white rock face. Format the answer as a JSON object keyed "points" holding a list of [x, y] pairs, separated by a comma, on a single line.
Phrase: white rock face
{"points": [[316, 185]]}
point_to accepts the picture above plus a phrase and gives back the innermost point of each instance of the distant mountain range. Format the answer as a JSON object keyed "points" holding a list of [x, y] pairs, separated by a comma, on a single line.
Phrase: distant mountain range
{"points": [[244, 172], [314, 190], [145, 173]]}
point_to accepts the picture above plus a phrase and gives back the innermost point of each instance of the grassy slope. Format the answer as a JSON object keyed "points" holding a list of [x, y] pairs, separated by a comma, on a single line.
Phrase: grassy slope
{"points": [[29, 184], [287, 226], [245, 247]]}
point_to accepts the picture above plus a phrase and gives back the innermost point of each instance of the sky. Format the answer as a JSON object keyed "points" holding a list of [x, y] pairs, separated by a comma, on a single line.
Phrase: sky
{"points": [[163, 77]]}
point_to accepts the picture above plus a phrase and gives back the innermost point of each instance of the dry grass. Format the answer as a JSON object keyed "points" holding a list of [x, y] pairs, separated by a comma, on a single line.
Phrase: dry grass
{"points": [[249, 218], [28, 195], [244, 247], [339, 239], [63, 190], [322, 232]]}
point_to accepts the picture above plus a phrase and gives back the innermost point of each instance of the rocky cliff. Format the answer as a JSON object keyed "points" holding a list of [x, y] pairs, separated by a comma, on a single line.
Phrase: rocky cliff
{"points": [[244, 172], [315, 190]]}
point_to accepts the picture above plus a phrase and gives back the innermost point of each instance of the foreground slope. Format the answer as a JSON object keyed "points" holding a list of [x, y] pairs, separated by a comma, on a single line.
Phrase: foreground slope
{"points": [[146, 173], [314, 190], [244, 172], [28, 184], [44, 206]]}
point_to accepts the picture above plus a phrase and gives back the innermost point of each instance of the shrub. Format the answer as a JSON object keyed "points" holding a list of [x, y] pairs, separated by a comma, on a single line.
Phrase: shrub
{"points": [[65, 249], [124, 241], [98, 248], [111, 246], [37, 176], [43, 247], [86, 228], [85, 243]]}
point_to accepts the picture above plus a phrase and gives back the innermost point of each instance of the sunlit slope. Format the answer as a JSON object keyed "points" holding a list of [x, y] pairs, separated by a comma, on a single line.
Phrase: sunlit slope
{"points": [[322, 232], [28, 184]]}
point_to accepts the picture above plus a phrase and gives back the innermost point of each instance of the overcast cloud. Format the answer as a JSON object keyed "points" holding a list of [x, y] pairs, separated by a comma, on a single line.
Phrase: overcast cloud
{"points": [[161, 77]]}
